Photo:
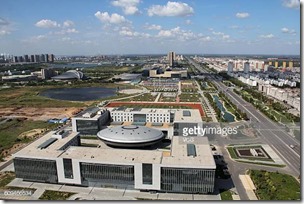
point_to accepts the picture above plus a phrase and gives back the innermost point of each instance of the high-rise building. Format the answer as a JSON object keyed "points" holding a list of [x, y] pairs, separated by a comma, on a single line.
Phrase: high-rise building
{"points": [[42, 58], [51, 58], [26, 58], [230, 67], [46, 58], [284, 64], [276, 64], [290, 64], [171, 58], [246, 67], [37, 58], [32, 58], [20, 59], [47, 73]]}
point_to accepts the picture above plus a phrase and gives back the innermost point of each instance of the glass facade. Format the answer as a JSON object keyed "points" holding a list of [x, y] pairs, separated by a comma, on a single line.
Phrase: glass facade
{"points": [[147, 173], [107, 173], [68, 168], [187, 180], [36, 170], [87, 127], [73, 142], [142, 118]]}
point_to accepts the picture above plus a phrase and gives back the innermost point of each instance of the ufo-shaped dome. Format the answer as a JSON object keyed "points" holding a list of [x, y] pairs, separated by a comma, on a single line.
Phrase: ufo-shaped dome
{"points": [[130, 136]]}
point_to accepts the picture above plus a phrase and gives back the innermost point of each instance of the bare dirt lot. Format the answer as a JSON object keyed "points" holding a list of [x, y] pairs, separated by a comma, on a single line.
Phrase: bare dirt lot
{"points": [[38, 113]]}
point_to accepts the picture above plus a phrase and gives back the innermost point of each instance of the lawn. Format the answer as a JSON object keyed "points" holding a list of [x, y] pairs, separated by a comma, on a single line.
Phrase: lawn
{"points": [[279, 116], [55, 195], [189, 97], [6, 178], [275, 186], [225, 194], [144, 97], [10, 131], [232, 152]]}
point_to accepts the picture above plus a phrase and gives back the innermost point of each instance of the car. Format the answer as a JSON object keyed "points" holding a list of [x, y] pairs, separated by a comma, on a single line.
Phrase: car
{"points": [[291, 146]]}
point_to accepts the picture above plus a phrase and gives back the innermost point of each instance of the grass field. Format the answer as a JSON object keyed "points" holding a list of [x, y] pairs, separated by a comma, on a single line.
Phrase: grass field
{"points": [[275, 186], [55, 195], [6, 178], [144, 97], [189, 97], [225, 194], [279, 116], [10, 131]]}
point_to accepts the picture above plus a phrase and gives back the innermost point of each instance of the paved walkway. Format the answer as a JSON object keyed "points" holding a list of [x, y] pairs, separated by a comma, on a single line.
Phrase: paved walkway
{"points": [[97, 193], [158, 97], [249, 186]]}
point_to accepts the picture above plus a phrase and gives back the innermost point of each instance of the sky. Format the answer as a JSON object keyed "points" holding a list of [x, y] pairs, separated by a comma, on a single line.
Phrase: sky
{"points": [[93, 27]]}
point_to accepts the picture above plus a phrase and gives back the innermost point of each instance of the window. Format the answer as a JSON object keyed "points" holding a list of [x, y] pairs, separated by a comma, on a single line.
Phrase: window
{"points": [[68, 168], [147, 173]]}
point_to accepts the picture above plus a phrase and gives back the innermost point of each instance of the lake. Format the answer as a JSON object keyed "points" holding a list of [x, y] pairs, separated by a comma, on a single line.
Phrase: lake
{"points": [[79, 94]]}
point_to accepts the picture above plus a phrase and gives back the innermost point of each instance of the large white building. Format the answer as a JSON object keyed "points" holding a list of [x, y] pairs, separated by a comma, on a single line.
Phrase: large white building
{"points": [[59, 157]]}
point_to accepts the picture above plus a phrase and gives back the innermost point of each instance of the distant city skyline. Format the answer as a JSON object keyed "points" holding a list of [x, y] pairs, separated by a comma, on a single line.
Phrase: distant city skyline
{"points": [[77, 27]]}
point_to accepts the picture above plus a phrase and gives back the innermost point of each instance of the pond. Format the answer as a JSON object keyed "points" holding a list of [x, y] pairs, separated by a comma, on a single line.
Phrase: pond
{"points": [[79, 94], [227, 115]]}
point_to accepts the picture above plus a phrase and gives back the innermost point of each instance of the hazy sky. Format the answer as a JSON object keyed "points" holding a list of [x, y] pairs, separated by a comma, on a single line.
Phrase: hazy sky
{"points": [[92, 27]]}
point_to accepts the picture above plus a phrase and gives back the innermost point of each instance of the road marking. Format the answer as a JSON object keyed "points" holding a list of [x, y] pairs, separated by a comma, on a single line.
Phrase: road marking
{"points": [[296, 170]]}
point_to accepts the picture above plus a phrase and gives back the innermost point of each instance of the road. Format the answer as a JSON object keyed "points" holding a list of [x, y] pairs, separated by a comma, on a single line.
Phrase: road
{"points": [[273, 134]]}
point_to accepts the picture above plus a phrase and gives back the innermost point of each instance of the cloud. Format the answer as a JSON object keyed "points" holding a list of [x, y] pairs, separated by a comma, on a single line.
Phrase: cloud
{"points": [[128, 32], [171, 9], [225, 37], [68, 23], [286, 30], [153, 27], [179, 34], [188, 22], [4, 32], [217, 33], [3, 22], [295, 4], [234, 27], [45, 23], [67, 31], [269, 36], [129, 7], [34, 39], [115, 18], [242, 15], [221, 34], [4, 27]]}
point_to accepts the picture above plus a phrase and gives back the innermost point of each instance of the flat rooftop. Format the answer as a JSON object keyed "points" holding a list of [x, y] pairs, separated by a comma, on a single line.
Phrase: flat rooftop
{"points": [[140, 110], [51, 151], [177, 157], [179, 153], [187, 115], [90, 113], [115, 156]]}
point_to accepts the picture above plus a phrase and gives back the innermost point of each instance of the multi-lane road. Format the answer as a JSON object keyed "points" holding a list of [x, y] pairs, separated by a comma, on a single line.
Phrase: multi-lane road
{"points": [[272, 133]]}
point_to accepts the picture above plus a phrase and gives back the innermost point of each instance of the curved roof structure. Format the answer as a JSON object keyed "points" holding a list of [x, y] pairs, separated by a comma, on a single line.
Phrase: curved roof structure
{"points": [[130, 136], [69, 75]]}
